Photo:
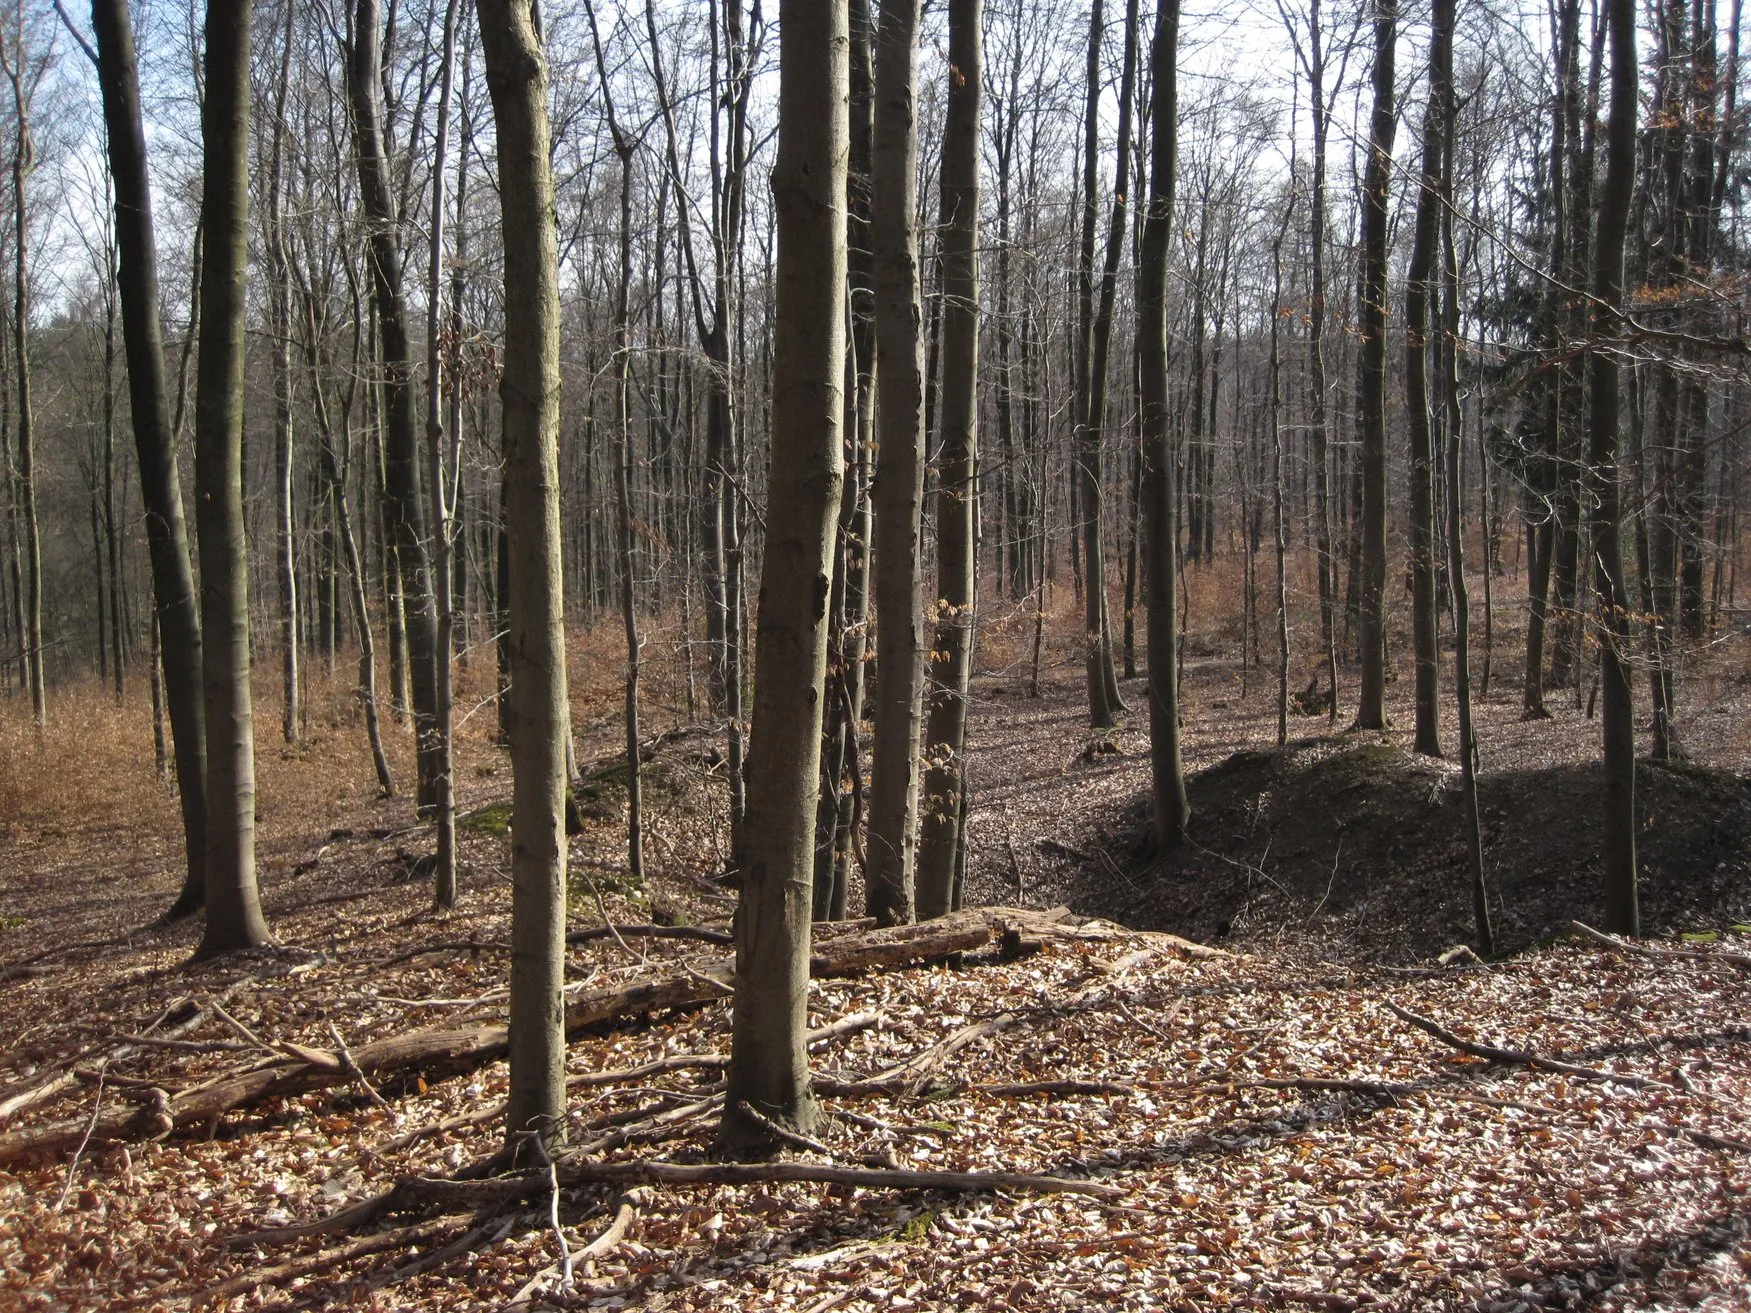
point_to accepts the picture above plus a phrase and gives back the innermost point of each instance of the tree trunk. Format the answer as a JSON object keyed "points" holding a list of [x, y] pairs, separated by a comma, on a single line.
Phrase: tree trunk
{"points": [[173, 589], [1167, 772], [517, 75], [1622, 913], [280, 368], [23, 163], [899, 485], [625, 148], [443, 790], [404, 523], [940, 836], [769, 1060], [847, 645], [234, 918], [1441, 123], [1420, 289], [1371, 403]]}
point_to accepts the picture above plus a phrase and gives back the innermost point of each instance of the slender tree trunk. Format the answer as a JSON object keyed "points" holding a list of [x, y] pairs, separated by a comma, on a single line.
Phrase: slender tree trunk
{"points": [[1281, 544], [1420, 289], [334, 473], [1618, 827], [177, 618], [843, 711], [280, 358], [625, 149], [769, 1059], [23, 164], [1441, 125], [957, 503], [1317, 436], [899, 485], [1167, 772], [517, 76], [234, 918], [443, 791], [1371, 419], [404, 522]]}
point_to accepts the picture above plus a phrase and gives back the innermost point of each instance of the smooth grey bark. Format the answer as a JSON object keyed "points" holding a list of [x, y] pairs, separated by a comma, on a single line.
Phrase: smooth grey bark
{"points": [[1171, 808], [280, 368], [443, 790], [625, 149], [768, 1058], [1441, 75], [23, 164], [1618, 822], [1280, 543], [842, 771], [1097, 645], [175, 610], [899, 484], [939, 827], [1371, 381], [1420, 290], [529, 388], [404, 522], [234, 918]]}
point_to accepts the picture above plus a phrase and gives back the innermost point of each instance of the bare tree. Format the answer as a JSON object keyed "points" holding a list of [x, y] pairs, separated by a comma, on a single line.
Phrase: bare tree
{"points": [[899, 486], [945, 781], [517, 76], [234, 918], [1167, 771], [768, 1076]]}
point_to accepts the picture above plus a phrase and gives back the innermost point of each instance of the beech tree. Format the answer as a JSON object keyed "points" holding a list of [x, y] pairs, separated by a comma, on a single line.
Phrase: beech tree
{"points": [[1371, 394], [768, 1058], [945, 781], [1622, 908], [176, 615], [234, 918], [1171, 809], [899, 485], [517, 77]]}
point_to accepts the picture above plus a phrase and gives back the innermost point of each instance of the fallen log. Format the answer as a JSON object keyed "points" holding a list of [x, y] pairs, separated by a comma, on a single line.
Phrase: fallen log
{"points": [[443, 1051]]}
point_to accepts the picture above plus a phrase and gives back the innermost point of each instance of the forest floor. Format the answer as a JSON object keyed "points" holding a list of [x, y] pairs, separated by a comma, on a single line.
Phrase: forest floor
{"points": [[1260, 1127]]}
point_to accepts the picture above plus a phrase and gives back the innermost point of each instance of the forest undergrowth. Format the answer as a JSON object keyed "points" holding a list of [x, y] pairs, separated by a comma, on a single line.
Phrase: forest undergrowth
{"points": [[1287, 1121]]}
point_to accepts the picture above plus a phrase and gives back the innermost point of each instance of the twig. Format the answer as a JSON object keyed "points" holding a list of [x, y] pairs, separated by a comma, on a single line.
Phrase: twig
{"points": [[243, 1030], [354, 1070], [73, 1166], [1523, 1057]]}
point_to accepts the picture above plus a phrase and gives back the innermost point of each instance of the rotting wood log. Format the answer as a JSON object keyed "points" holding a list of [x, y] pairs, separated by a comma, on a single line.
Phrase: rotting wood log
{"points": [[443, 1051]]}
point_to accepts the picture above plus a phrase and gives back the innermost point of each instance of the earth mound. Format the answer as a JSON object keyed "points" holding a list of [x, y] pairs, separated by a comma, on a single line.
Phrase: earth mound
{"points": [[1348, 850]]}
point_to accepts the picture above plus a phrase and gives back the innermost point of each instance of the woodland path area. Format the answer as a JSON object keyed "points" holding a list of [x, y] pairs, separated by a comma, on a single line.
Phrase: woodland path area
{"points": [[1253, 1129]]}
